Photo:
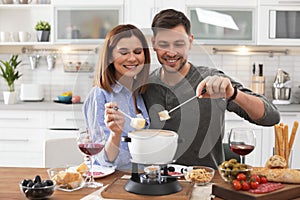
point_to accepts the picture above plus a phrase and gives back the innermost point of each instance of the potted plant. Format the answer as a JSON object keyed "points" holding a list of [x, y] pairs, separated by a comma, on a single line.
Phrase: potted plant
{"points": [[43, 31], [10, 73]]}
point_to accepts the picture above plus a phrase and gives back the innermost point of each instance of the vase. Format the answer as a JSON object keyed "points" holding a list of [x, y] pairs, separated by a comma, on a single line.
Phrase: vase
{"points": [[9, 97], [43, 36]]}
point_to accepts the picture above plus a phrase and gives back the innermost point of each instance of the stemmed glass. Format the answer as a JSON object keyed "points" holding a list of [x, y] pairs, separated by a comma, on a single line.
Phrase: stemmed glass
{"points": [[241, 141], [91, 142]]}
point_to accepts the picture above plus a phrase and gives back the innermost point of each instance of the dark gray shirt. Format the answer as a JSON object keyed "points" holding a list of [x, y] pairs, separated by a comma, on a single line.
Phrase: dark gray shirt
{"points": [[200, 123]]}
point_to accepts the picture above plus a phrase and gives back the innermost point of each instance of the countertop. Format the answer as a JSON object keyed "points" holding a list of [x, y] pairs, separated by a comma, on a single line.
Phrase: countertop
{"points": [[53, 106], [43, 106]]}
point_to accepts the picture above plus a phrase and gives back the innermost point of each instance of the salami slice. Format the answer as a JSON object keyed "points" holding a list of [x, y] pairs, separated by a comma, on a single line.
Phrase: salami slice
{"points": [[266, 187]]}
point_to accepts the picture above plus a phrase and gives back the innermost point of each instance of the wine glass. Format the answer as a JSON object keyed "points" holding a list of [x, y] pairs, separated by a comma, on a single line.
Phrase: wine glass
{"points": [[91, 142], [241, 141]]}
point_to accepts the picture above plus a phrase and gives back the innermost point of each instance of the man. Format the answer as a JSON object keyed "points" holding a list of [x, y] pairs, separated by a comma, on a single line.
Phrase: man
{"points": [[199, 123]]}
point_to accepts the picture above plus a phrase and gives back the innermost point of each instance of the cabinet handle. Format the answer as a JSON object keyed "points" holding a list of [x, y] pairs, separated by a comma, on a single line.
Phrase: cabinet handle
{"points": [[289, 115], [6, 118], [74, 119], [289, 2], [14, 140]]}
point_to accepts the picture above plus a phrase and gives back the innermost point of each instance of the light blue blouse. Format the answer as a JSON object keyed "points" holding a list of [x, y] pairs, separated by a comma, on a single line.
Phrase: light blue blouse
{"points": [[94, 112]]}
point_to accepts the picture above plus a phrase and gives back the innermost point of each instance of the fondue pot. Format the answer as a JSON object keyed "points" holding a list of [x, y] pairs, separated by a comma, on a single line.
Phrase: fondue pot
{"points": [[152, 146]]}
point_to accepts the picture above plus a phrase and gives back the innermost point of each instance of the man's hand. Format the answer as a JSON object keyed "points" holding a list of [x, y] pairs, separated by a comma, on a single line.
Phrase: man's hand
{"points": [[216, 87]]}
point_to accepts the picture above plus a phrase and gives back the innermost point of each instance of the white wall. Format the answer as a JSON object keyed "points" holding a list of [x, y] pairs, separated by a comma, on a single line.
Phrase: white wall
{"points": [[239, 67]]}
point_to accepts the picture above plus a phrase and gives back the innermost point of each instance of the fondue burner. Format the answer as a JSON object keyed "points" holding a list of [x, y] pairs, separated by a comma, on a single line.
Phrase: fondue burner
{"points": [[152, 182]]}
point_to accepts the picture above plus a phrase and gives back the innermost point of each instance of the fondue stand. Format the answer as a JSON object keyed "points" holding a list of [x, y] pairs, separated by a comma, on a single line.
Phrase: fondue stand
{"points": [[154, 149], [152, 182]]}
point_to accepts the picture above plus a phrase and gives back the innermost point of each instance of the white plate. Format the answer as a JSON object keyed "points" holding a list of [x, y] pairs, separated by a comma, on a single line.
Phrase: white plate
{"points": [[71, 190], [99, 171]]}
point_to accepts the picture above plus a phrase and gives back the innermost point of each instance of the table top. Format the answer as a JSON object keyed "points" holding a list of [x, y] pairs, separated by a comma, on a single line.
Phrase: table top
{"points": [[10, 177]]}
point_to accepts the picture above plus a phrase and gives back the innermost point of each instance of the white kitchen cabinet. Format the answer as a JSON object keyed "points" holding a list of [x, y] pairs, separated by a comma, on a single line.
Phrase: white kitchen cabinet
{"points": [[21, 137], [85, 24], [232, 120], [206, 31], [23, 17], [23, 134]]}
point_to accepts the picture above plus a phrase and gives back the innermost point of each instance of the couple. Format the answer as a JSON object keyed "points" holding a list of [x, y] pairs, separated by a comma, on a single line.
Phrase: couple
{"points": [[121, 80]]}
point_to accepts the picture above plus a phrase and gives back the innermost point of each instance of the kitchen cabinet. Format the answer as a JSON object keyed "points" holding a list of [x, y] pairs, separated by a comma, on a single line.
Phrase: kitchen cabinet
{"points": [[232, 120], [21, 138], [23, 134], [279, 23], [15, 18], [85, 24], [213, 29]]}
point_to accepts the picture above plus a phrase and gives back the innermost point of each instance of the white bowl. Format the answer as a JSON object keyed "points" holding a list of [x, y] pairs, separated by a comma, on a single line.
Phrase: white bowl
{"points": [[153, 146]]}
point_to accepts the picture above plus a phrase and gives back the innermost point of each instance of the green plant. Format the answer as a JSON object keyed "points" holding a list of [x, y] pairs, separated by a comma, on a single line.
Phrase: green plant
{"points": [[10, 72], [42, 26]]}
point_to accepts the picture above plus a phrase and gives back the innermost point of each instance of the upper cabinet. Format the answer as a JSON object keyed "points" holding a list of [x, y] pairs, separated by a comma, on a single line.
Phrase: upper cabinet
{"points": [[88, 24], [279, 22], [223, 23]]}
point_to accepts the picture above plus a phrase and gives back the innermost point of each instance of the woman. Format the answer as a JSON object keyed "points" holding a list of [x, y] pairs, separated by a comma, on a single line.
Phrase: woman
{"points": [[119, 80]]}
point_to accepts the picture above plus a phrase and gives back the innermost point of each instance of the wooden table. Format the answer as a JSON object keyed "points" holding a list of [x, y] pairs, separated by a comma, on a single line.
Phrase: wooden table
{"points": [[10, 178]]}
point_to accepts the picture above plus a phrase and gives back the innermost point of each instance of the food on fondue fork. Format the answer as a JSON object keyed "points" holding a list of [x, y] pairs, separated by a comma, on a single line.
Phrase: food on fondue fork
{"points": [[137, 123], [164, 115]]}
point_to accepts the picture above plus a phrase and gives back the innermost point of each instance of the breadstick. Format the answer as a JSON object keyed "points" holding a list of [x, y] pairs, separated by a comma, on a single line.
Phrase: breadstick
{"points": [[286, 142], [276, 147], [293, 134], [280, 141]]}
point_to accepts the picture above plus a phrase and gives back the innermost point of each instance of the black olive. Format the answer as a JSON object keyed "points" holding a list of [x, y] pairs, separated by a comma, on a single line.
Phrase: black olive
{"points": [[48, 182], [37, 185], [37, 179], [171, 169], [30, 184]]}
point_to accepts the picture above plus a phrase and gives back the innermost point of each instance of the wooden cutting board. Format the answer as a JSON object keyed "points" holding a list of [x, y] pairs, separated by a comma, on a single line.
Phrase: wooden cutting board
{"points": [[226, 191], [116, 191]]}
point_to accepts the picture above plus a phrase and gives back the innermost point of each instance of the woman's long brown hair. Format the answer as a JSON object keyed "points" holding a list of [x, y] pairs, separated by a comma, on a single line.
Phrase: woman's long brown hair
{"points": [[105, 71]]}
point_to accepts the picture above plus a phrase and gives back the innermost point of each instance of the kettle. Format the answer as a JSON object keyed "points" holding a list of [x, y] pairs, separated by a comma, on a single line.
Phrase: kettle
{"points": [[282, 86]]}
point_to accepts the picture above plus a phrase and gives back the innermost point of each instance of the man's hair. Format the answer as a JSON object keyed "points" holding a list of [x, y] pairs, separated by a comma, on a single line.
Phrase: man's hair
{"points": [[170, 18]]}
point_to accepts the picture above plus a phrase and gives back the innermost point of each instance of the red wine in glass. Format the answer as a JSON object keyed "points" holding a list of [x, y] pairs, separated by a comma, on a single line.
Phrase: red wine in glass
{"points": [[241, 141], [91, 148], [91, 142], [241, 149]]}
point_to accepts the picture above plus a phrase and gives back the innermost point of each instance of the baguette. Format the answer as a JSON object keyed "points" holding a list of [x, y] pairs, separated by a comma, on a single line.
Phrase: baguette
{"points": [[278, 175]]}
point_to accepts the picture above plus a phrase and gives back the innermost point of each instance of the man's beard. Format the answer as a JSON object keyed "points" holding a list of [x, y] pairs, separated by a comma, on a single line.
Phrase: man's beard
{"points": [[174, 71]]}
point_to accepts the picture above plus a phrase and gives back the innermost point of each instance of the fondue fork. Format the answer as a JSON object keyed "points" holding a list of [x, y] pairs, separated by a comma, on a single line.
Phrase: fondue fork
{"points": [[135, 122], [164, 115]]}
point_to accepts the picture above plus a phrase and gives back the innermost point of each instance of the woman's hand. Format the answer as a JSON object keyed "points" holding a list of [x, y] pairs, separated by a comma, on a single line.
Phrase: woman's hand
{"points": [[114, 120]]}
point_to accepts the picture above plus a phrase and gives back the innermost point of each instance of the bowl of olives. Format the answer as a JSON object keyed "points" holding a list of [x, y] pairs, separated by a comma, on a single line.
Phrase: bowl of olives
{"points": [[229, 170], [37, 188]]}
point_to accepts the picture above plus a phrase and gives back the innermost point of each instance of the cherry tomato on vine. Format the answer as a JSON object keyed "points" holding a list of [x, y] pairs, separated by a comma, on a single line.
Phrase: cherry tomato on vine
{"points": [[254, 184], [241, 177], [245, 185], [255, 177], [263, 179], [237, 185]]}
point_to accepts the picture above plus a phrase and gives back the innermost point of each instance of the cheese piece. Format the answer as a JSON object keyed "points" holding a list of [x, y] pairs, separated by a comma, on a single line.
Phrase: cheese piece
{"points": [[138, 123], [164, 115], [82, 168]]}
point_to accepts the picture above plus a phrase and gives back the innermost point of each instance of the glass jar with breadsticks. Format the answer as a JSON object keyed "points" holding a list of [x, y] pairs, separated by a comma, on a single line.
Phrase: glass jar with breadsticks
{"points": [[284, 142]]}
